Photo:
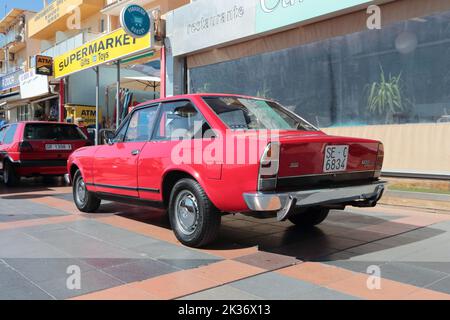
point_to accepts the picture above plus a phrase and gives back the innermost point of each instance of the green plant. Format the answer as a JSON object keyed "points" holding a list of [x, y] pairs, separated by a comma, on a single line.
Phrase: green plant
{"points": [[385, 96]]}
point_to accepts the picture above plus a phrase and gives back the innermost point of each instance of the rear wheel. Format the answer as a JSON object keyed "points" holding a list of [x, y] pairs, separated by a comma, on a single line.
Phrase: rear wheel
{"points": [[85, 200], [309, 217], [194, 219], [10, 177]]}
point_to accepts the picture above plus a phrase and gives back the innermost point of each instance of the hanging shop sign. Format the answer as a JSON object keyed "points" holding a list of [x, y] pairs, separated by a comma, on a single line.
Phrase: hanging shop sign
{"points": [[135, 20], [10, 80], [32, 84], [44, 65], [113, 46]]}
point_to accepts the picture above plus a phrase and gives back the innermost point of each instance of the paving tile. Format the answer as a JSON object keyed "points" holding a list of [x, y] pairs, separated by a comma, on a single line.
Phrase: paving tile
{"points": [[101, 263], [119, 237], [39, 270], [267, 260], [326, 294], [225, 292], [91, 281], [227, 271], [272, 286], [442, 286], [440, 266], [316, 273], [167, 251], [139, 270], [410, 274], [187, 264], [26, 291], [10, 278], [123, 292], [175, 285]]}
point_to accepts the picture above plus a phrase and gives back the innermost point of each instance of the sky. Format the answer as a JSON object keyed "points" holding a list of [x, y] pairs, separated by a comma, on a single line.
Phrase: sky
{"points": [[33, 5]]}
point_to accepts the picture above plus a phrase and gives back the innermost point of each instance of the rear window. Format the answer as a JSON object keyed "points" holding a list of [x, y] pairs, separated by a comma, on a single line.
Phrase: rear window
{"points": [[44, 131]]}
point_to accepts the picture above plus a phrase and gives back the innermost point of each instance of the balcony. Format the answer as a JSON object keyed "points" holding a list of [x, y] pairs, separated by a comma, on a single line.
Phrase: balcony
{"points": [[54, 17], [13, 27]]}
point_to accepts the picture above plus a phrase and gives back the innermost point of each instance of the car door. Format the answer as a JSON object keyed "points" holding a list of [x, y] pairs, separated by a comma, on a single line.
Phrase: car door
{"points": [[115, 164], [177, 122]]}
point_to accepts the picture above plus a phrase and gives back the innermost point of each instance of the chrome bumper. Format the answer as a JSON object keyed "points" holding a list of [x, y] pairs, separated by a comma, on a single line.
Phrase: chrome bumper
{"points": [[67, 178], [283, 202]]}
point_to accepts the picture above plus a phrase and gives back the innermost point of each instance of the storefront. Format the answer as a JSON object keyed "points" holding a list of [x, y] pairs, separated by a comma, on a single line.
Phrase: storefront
{"points": [[10, 99], [320, 59], [114, 72]]}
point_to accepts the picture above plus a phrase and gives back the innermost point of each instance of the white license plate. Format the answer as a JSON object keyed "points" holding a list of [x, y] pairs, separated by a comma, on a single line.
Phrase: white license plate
{"points": [[336, 158], [58, 147]]}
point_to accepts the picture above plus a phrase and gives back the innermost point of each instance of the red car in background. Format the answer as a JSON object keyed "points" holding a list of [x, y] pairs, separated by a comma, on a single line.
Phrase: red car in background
{"points": [[182, 153], [37, 149]]}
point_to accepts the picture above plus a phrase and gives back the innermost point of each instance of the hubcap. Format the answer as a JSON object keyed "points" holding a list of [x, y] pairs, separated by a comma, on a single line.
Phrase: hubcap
{"points": [[186, 212], [81, 191]]}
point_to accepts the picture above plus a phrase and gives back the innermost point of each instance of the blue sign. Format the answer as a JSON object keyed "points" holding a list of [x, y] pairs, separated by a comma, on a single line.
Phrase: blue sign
{"points": [[135, 21], [10, 80]]}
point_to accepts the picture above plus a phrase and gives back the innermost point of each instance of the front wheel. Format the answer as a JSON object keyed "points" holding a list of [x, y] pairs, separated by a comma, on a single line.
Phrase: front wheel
{"points": [[10, 177], [309, 217], [194, 219], [85, 200]]}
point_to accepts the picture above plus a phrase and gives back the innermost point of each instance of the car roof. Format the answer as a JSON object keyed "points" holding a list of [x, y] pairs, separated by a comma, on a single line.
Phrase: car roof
{"points": [[192, 95]]}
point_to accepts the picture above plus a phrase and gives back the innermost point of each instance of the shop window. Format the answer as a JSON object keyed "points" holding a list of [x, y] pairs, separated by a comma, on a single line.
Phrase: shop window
{"points": [[396, 75]]}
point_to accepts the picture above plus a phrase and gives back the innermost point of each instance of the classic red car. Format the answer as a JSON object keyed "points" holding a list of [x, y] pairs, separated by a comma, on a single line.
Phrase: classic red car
{"points": [[204, 155], [37, 149]]}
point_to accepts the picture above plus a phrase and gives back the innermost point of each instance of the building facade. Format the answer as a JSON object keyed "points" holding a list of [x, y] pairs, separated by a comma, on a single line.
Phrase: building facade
{"points": [[375, 69]]}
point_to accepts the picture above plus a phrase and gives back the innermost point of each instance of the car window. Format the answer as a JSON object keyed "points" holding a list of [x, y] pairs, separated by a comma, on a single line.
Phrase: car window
{"points": [[9, 135], [255, 114], [2, 133], [140, 126], [180, 119], [51, 131]]}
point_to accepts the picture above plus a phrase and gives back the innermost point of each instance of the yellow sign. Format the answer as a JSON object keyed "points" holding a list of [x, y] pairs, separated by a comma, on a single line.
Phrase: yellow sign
{"points": [[113, 46], [84, 113]]}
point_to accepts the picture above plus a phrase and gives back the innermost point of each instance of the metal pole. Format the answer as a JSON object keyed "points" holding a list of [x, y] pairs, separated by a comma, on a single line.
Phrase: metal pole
{"points": [[118, 95], [97, 102]]}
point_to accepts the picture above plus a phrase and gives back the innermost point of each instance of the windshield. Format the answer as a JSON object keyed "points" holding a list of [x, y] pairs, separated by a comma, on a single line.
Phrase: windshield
{"points": [[44, 131], [253, 114]]}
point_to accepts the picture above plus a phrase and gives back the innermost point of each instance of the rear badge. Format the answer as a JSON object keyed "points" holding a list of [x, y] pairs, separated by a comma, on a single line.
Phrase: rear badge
{"points": [[367, 163]]}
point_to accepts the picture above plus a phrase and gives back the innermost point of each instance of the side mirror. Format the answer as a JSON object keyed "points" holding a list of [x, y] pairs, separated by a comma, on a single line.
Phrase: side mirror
{"points": [[108, 137]]}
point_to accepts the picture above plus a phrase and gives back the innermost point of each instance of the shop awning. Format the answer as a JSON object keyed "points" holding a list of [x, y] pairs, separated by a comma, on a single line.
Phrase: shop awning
{"points": [[9, 97]]}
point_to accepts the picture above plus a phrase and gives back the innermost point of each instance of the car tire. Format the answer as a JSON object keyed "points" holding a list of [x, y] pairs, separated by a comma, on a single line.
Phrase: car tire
{"points": [[85, 200], [193, 217], [310, 217], [10, 177]]}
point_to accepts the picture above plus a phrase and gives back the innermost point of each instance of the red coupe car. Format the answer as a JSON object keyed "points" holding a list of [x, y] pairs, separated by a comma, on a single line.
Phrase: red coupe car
{"points": [[204, 155], [37, 149]]}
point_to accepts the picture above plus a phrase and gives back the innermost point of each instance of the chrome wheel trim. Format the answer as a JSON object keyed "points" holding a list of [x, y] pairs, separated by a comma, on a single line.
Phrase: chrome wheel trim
{"points": [[80, 191], [186, 212]]}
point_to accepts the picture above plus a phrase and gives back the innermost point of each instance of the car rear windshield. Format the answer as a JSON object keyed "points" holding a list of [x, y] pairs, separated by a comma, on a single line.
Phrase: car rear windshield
{"points": [[50, 131], [254, 114]]}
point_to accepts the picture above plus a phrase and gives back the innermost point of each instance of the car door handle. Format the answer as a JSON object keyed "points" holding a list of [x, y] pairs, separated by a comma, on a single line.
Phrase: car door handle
{"points": [[135, 152]]}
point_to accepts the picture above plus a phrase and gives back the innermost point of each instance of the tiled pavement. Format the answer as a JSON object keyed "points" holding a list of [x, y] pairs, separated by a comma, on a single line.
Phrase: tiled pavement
{"points": [[127, 252]]}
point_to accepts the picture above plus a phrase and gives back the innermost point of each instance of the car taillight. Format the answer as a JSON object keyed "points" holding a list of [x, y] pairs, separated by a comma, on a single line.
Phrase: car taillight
{"points": [[269, 166], [380, 159], [25, 146]]}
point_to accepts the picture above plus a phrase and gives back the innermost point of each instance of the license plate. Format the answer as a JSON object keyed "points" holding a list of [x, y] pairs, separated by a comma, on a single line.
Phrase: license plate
{"points": [[336, 158], [58, 147]]}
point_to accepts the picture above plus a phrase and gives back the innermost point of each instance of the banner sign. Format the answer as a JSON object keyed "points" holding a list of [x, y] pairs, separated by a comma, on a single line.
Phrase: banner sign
{"points": [[113, 46], [44, 65], [32, 84], [10, 80]]}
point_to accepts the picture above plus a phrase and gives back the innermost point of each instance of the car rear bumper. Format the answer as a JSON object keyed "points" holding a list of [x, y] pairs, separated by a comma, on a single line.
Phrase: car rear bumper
{"points": [[366, 195], [40, 167]]}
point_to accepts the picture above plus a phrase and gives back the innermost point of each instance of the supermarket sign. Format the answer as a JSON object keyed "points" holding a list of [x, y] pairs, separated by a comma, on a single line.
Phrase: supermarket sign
{"points": [[111, 47]]}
